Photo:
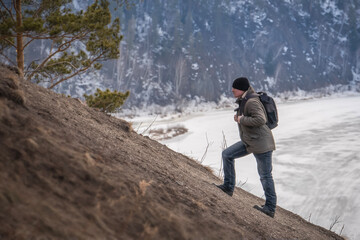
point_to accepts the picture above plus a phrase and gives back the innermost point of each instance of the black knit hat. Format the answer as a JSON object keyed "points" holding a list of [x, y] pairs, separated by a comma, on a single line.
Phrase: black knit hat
{"points": [[241, 83]]}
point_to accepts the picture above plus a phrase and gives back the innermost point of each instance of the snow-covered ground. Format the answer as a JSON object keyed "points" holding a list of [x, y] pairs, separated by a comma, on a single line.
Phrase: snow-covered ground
{"points": [[316, 166]]}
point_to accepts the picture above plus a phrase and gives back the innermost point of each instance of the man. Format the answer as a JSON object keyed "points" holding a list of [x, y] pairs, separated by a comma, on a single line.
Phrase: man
{"points": [[256, 138]]}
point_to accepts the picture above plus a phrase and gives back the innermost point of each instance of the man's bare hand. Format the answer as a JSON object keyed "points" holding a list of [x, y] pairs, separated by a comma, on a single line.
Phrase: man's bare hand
{"points": [[237, 118]]}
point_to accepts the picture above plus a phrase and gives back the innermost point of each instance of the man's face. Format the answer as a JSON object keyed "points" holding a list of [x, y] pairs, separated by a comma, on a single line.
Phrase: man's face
{"points": [[237, 93]]}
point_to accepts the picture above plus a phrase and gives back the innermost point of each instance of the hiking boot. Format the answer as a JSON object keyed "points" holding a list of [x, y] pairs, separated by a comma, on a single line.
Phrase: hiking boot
{"points": [[225, 189], [266, 210]]}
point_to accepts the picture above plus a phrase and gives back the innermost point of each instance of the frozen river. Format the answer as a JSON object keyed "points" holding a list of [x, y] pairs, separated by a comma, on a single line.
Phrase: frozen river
{"points": [[316, 166]]}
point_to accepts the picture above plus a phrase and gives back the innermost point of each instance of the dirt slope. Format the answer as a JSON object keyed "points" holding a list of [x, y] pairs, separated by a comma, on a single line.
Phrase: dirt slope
{"points": [[70, 172]]}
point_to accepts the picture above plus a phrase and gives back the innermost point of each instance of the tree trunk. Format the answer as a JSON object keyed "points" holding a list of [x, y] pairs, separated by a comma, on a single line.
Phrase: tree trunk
{"points": [[19, 39]]}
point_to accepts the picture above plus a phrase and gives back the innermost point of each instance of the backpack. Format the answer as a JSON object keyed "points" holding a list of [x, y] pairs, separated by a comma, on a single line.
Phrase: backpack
{"points": [[270, 109], [269, 106]]}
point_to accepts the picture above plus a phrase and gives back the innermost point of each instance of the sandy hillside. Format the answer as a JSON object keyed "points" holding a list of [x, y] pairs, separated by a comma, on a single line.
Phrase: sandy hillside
{"points": [[70, 172]]}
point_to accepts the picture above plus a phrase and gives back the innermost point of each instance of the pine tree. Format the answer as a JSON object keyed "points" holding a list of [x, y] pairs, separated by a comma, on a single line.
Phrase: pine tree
{"points": [[106, 101], [78, 41]]}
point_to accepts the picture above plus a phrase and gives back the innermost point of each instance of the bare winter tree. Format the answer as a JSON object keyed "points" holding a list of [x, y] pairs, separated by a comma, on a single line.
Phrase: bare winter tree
{"points": [[179, 75]]}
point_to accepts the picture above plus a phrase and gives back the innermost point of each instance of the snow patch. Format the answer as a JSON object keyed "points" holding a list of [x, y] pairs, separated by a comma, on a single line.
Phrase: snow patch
{"points": [[143, 26], [288, 1], [258, 17], [234, 6], [195, 66], [329, 6], [270, 81], [160, 31], [207, 26], [356, 75]]}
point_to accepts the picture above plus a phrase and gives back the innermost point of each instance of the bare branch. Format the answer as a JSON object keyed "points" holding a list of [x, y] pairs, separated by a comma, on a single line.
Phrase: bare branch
{"points": [[26, 44], [336, 221], [29, 65], [204, 155], [206, 149], [39, 10], [223, 147], [342, 229], [7, 58], [8, 10], [137, 130], [241, 184], [52, 80], [149, 125], [8, 41]]}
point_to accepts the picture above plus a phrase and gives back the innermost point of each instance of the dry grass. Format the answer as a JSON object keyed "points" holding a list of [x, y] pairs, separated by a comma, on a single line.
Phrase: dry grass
{"points": [[9, 86], [168, 133], [143, 185]]}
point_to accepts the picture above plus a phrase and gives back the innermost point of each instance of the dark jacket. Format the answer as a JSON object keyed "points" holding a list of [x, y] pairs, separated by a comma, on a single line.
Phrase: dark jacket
{"points": [[254, 132]]}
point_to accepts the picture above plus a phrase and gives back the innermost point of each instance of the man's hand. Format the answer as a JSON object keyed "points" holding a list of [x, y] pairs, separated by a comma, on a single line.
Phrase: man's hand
{"points": [[237, 118]]}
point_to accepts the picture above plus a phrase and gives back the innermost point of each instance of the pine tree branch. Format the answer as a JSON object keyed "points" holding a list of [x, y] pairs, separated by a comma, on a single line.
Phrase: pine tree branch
{"points": [[41, 65], [8, 10], [39, 11], [16, 9], [8, 41], [54, 64], [3, 15], [64, 62], [39, 37], [68, 77], [77, 72], [42, 37], [63, 47]]}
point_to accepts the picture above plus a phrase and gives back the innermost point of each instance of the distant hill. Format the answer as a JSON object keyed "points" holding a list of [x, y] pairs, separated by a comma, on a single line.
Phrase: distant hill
{"points": [[70, 172], [180, 50]]}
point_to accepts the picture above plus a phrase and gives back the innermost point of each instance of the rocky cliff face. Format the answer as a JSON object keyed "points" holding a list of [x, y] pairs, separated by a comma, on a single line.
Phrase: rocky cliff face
{"points": [[176, 50]]}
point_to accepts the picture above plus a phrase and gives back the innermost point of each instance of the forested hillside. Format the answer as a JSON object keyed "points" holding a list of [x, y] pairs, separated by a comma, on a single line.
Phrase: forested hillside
{"points": [[181, 50]]}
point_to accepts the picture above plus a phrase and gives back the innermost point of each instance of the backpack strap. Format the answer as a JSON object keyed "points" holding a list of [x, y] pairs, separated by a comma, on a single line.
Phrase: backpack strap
{"points": [[244, 100]]}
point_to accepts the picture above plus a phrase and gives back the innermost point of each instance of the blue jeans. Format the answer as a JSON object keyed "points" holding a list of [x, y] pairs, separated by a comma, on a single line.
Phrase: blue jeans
{"points": [[264, 167]]}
